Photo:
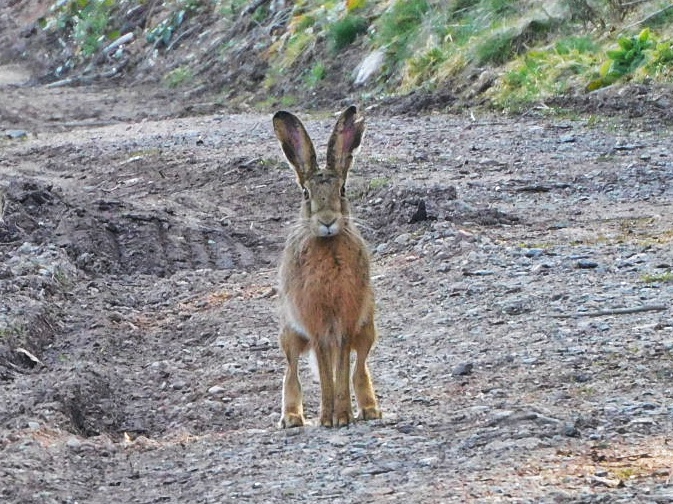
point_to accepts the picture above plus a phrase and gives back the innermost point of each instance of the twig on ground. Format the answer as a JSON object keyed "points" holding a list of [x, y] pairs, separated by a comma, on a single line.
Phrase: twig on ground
{"points": [[646, 18], [612, 311]]}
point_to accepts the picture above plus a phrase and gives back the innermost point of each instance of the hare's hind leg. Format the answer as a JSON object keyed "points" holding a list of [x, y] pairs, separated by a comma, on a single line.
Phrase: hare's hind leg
{"points": [[362, 381], [293, 344]]}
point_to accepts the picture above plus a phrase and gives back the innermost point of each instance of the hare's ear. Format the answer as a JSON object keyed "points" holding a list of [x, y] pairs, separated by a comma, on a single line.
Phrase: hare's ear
{"points": [[345, 141], [296, 144]]}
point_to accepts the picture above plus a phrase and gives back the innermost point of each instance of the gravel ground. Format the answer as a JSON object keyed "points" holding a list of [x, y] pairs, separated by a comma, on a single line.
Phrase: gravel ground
{"points": [[522, 268]]}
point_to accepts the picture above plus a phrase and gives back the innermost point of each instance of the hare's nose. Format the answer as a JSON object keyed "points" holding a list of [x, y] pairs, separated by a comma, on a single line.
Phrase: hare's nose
{"points": [[328, 228]]}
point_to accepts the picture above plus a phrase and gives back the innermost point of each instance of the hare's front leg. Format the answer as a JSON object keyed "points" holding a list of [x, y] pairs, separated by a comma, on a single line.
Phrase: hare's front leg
{"points": [[293, 344], [362, 381], [324, 356], [343, 410]]}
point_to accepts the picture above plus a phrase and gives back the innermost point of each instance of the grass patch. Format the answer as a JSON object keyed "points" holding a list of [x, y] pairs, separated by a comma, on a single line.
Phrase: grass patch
{"points": [[345, 31], [539, 74], [379, 182], [179, 77], [666, 277], [399, 25], [316, 74]]}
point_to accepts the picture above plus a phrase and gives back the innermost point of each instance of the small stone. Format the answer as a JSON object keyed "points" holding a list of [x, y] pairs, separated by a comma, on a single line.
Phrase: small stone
{"points": [[581, 378], [533, 252], [382, 248], [462, 369], [178, 385], [33, 425], [570, 431], [73, 443], [215, 389], [15, 134], [567, 139], [403, 239], [444, 268], [586, 264]]}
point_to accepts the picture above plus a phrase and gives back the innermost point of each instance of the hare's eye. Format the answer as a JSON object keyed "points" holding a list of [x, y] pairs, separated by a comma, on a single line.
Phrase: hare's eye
{"points": [[343, 191], [305, 192]]}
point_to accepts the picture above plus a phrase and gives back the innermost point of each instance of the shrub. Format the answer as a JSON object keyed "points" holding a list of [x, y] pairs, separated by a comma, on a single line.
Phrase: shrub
{"points": [[344, 32]]}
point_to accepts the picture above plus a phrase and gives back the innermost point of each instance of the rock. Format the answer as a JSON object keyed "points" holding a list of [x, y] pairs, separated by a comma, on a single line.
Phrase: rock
{"points": [[15, 134], [586, 264], [382, 248], [215, 389], [570, 430], [533, 252], [462, 369], [403, 239], [368, 68], [178, 385]]}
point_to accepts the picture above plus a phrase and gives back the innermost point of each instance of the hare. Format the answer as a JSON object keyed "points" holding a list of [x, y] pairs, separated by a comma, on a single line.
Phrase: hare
{"points": [[327, 303]]}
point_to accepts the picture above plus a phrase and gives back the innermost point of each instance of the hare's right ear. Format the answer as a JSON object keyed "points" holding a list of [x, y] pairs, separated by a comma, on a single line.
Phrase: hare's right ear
{"points": [[296, 144]]}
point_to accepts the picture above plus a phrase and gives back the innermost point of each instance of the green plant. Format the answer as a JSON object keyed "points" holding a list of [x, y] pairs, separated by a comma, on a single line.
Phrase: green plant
{"points": [[344, 32], [178, 77], [542, 73], [625, 59], [496, 49], [665, 277], [288, 101], [315, 75], [398, 26], [423, 67], [659, 61], [378, 183], [163, 32], [87, 22], [580, 45]]}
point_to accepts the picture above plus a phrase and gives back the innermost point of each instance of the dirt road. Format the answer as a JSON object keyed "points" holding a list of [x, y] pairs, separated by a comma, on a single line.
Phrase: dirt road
{"points": [[523, 276]]}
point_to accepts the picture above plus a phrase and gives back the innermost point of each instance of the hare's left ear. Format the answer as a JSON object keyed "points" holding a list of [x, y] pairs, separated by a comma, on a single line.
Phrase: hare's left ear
{"points": [[345, 140]]}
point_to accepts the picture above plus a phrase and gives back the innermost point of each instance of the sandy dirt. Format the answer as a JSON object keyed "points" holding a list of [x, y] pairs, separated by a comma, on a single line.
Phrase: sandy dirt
{"points": [[522, 268]]}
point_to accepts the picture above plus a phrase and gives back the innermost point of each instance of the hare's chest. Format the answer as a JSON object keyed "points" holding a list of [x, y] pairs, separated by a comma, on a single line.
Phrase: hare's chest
{"points": [[328, 288], [340, 266]]}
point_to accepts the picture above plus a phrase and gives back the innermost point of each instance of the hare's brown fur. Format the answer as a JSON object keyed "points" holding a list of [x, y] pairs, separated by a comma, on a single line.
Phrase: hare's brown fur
{"points": [[327, 303]]}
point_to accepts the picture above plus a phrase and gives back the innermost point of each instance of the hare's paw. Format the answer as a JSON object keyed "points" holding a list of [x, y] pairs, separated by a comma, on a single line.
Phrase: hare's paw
{"points": [[370, 413], [343, 419], [290, 420], [326, 420]]}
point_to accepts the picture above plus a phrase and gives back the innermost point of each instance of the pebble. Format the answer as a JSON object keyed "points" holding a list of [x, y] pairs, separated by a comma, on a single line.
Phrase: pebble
{"points": [[462, 369], [403, 239], [15, 134], [178, 385], [73, 443], [570, 430], [215, 389], [533, 252], [586, 264]]}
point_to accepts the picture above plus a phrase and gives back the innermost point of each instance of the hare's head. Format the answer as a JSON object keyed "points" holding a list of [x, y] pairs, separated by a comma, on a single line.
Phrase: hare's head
{"points": [[325, 207]]}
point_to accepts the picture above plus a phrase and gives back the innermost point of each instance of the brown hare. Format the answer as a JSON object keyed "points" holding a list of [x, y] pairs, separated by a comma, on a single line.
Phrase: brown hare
{"points": [[327, 303]]}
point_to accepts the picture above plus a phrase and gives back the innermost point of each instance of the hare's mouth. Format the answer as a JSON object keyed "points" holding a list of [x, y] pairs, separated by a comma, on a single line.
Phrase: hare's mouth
{"points": [[324, 229]]}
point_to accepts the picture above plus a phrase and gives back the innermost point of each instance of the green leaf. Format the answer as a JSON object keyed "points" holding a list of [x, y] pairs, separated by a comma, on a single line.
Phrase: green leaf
{"points": [[625, 43], [644, 36]]}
